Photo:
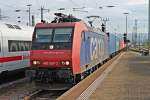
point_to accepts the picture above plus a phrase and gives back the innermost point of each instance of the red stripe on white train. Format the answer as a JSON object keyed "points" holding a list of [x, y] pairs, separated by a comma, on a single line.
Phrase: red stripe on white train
{"points": [[12, 58]]}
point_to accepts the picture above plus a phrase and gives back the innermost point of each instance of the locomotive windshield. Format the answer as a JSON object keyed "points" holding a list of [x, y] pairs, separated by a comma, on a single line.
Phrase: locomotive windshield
{"points": [[62, 35], [61, 38], [43, 35], [53, 35]]}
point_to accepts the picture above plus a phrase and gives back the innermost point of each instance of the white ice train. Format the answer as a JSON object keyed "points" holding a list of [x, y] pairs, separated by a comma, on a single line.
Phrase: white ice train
{"points": [[15, 41]]}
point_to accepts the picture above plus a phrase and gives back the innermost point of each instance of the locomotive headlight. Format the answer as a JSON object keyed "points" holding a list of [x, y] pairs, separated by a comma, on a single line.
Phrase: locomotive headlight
{"points": [[63, 62], [51, 47], [67, 62], [36, 62]]}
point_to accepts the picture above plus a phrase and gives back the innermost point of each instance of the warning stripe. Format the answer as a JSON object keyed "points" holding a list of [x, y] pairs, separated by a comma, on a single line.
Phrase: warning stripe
{"points": [[12, 58]]}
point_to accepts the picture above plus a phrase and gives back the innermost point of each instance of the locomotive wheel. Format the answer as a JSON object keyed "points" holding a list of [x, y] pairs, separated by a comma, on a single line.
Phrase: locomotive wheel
{"points": [[77, 78], [3, 76]]}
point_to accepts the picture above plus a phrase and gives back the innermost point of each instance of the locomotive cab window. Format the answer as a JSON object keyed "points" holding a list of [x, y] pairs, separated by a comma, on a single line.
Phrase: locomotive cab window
{"points": [[83, 36], [60, 38], [62, 35], [43, 35], [55, 35]]}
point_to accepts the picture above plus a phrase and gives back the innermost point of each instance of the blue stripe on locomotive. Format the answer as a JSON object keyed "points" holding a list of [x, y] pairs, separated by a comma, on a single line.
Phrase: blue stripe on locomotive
{"points": [[92, 47], [112, 43], [85, 49]]}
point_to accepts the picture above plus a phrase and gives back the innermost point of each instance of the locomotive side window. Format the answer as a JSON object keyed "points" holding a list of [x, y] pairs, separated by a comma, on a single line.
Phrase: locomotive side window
{"points": [[16, 45], [43, 35], [83, 36], [62, 35]]}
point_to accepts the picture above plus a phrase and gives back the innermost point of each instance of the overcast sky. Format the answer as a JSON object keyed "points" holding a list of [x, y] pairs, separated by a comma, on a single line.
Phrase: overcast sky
{"points": [[137, 9]]}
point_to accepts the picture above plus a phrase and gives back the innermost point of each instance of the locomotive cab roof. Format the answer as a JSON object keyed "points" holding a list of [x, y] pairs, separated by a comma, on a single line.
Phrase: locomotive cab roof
{"points": [[62, 20]]}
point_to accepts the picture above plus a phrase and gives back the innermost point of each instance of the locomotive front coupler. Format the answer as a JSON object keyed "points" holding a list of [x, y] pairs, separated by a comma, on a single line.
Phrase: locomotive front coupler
{"points": [[30, 74]]}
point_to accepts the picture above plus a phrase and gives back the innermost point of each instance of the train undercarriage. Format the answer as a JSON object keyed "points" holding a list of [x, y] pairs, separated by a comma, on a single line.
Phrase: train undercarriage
{"points": [[56, 79], [49, 79]]}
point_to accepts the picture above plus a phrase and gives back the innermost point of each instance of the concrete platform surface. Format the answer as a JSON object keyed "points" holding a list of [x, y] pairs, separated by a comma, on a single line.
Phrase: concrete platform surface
{"points": [[128, 80]]}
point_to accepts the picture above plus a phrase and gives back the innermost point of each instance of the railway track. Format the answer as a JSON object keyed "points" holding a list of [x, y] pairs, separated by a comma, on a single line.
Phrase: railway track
{"points": [[44, 95], [16, 90], [5, 85], [24, 90], [10, 77]]}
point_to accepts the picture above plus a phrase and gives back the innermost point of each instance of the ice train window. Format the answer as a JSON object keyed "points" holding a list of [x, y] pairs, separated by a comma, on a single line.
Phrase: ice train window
{"points": [[17, 45], [13, 47]]}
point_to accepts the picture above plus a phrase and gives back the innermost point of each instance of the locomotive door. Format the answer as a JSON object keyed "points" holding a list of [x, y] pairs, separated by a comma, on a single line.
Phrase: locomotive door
{"points": [[85, 49]]}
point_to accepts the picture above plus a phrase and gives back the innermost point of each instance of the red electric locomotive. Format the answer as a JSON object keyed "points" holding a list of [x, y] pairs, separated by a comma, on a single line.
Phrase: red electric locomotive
{"points": [[65, 51]]}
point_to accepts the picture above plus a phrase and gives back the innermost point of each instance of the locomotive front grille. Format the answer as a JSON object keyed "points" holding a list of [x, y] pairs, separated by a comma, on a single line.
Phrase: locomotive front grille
{"points": [[53, 76]]}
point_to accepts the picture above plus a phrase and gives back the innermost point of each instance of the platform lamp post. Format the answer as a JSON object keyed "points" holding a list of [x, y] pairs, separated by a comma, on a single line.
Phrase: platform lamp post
{"points": [[126, 22], [149, 26], [29, 5], [126, 14]]}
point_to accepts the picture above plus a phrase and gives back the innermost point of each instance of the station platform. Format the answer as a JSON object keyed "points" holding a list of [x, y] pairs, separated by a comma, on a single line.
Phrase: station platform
{"points": [[128, 80]]}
